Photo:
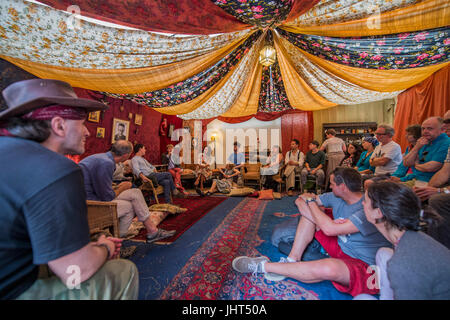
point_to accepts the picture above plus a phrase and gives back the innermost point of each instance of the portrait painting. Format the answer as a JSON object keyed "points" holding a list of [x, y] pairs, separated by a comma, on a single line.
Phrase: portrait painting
{"points": [[121, 129], [100, 132], [94, 116]]}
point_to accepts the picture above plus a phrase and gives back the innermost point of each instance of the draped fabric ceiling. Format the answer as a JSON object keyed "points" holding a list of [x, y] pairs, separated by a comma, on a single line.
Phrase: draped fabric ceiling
{"points": [[198, 59]]}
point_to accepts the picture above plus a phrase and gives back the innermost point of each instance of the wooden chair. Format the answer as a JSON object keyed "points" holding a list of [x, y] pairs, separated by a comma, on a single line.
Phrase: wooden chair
{"points": [[253, 173], [149, 187], [103, 215]]}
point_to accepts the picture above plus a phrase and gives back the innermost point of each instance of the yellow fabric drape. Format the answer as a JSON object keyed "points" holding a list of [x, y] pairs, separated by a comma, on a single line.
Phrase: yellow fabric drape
{"points": [[300, 94], [200, 100], [247, 102], [428, 14], [129, 81], [376, 79]]}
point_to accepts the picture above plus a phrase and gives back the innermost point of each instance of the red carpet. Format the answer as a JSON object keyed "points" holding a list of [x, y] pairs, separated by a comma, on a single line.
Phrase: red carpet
{"points": [[197, 208]]}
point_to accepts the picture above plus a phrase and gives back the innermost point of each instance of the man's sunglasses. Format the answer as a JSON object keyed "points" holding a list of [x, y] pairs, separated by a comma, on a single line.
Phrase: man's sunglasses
{"points": [[424, 154]]}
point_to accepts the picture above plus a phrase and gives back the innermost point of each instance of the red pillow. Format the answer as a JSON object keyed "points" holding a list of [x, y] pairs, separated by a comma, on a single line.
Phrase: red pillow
{"points": [[266, 195]]}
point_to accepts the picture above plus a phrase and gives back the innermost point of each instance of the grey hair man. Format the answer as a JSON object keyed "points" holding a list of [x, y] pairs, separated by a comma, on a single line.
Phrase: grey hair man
{"points": [[388, 154]]}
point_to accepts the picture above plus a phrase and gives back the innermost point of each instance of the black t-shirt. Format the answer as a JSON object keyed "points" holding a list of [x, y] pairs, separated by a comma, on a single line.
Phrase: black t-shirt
{"points": [[43, 213], [314, 159]]}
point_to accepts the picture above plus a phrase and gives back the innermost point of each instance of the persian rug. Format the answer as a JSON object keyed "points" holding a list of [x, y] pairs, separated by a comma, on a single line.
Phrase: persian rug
{"points": [[245, 230], [197, 208]]}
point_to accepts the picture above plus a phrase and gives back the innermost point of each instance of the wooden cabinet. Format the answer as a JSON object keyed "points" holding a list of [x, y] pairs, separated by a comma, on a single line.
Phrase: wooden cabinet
{"points": [[350, 131]]}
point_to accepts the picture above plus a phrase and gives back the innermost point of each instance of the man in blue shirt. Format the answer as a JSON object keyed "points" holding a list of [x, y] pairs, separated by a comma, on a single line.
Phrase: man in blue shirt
{"points": [[430, 151], [98, 170]]}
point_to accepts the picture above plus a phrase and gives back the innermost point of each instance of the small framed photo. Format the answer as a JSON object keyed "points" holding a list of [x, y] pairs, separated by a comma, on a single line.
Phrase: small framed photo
{"points": [[171, 129], [121, 129], [94, 116], [100, 132], [138, 119]]}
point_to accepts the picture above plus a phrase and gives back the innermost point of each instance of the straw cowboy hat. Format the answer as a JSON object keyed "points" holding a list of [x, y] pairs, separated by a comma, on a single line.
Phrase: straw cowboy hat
{"points": [[25, 96]]}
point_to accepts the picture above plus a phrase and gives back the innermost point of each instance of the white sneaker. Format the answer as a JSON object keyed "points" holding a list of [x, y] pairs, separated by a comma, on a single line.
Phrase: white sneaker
{"points": [[275, 276]]}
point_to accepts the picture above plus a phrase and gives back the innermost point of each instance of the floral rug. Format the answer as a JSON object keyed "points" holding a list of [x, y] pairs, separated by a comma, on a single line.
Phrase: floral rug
{"points": [[208, 274]]}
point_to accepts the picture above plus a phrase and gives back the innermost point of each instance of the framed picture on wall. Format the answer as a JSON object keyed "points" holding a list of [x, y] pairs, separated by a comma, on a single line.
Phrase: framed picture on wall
{"points": [[171, 128], [138, 119], [100, 132], [94, 116], [121, 129]]}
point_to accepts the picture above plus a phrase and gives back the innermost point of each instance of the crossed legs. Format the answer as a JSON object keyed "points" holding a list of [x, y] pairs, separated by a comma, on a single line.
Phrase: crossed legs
{"points": [[310, 271]]}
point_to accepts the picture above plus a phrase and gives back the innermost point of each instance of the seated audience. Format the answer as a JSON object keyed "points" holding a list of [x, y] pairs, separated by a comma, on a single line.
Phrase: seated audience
{"points": [[438, 194], [446, 125], [225, 184], [203, 170], [363, 165], [173, 162], [122, 172], [314, 162], [349, 239], [354, 151], [238, 159], [335, 149], [98, 171], [43, 212], [429, 153], [293, 165], [413, 133], [271, 168], [144, 170], [387, 155], [418, 267]]}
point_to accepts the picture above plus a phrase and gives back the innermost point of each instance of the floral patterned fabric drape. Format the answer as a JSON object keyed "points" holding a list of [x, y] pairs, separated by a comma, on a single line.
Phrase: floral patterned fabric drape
{"points": [[396, 51], [191, 88], [329, 52]]}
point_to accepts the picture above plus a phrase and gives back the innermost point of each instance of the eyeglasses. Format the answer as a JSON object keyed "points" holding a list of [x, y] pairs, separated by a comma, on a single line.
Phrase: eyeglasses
{"points": [[380, 134], [447, 121], [422, 159]]}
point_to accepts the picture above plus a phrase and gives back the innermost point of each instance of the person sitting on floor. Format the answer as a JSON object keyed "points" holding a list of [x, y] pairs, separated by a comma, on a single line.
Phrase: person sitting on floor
{"points": [[293, 165], [203, 170], [144, 170], [363, 165], [43, 212], [348, 238], [98, 171], [387, 155], [413, 133], [314, 162], [271, 168], [429, 153], [418, 267], [225, 184], [354, 151]]}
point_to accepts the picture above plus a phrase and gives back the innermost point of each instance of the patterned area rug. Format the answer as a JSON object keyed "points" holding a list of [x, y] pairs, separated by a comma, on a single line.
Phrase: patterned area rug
{"points": [[208, 274], [197, 208]]}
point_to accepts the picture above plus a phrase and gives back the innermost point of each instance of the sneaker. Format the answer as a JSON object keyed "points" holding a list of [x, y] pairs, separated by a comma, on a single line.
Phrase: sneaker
{"points": [[159, 235], [246, 264]]}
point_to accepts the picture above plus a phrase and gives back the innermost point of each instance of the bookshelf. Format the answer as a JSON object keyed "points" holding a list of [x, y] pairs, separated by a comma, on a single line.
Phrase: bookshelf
{"points": [[350, 131]]}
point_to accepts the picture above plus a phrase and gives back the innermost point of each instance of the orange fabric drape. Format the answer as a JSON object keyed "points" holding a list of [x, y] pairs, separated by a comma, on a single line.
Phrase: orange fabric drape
{"points": [[429, 98]]}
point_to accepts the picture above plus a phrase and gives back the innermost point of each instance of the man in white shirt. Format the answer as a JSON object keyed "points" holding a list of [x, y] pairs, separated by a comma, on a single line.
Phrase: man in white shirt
{"points": [[294, 162], [387, 155]]}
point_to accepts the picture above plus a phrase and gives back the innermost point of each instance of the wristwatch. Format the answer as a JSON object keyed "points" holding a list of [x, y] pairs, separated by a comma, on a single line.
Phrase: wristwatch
{"points": [[308, 200]]}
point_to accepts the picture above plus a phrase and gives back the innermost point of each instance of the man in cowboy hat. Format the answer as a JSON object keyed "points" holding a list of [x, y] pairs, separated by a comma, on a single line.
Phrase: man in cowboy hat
{"points": [[43, 220]]}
